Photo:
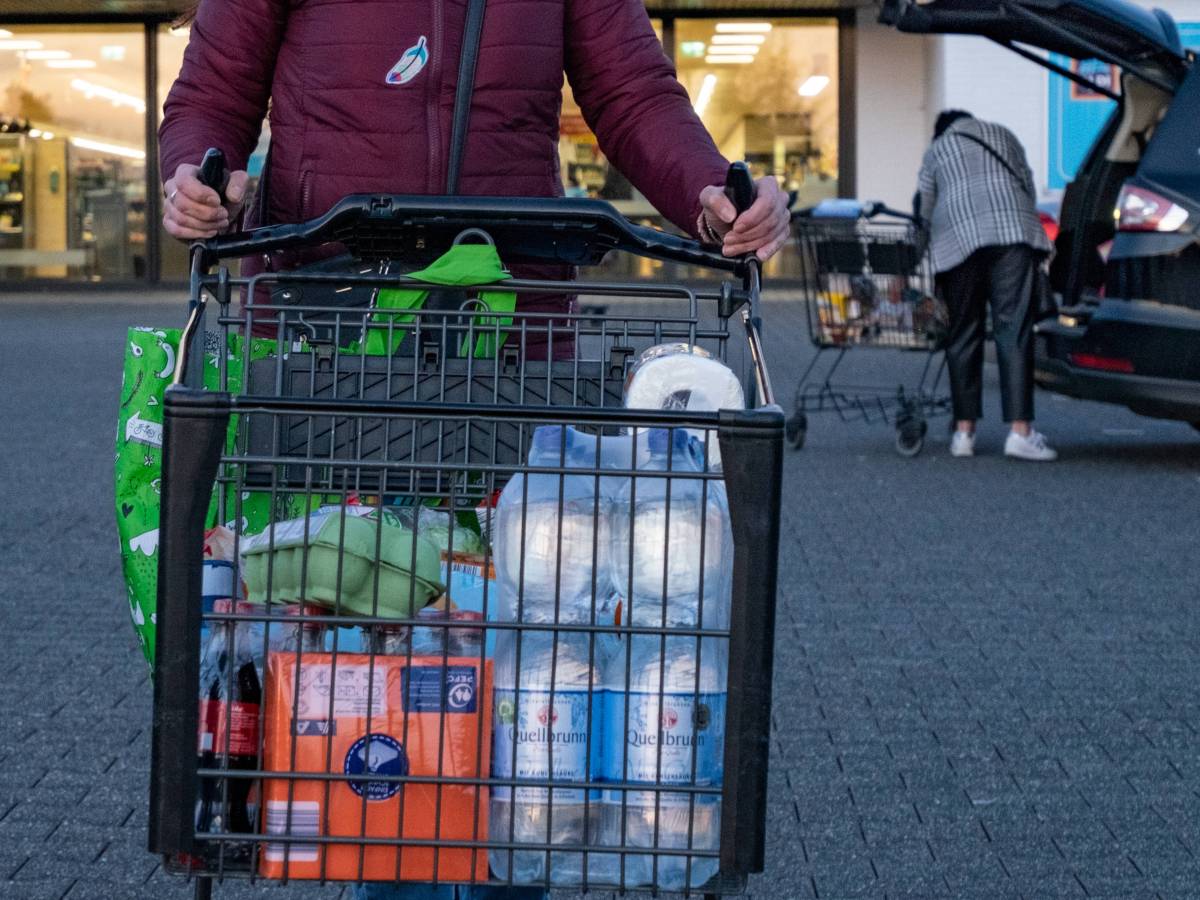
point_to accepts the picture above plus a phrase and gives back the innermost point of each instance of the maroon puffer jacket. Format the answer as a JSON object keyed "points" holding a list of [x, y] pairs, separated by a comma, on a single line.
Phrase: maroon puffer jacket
{"points": [[348, 117]]}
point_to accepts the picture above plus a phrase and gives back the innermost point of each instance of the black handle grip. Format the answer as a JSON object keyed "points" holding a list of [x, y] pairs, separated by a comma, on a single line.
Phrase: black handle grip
{"points": [[530, 229], [214, 172], [739, 187]]}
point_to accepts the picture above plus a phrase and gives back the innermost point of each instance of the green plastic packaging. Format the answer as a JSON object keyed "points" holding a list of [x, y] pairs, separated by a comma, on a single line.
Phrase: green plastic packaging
{"points": [[330, 559]]}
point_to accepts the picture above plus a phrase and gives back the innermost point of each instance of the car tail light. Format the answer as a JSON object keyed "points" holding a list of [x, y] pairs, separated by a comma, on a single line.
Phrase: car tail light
{"points": [[1049, 225], [1103, 363], [1141, 210]]}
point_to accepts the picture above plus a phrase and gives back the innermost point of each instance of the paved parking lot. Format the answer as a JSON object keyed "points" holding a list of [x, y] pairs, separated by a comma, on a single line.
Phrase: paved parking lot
{"points": [[986, 670]]}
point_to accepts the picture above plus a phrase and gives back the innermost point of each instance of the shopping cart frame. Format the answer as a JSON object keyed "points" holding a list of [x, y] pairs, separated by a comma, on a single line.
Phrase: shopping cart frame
{"points": [[907, 410], [564, 231]]}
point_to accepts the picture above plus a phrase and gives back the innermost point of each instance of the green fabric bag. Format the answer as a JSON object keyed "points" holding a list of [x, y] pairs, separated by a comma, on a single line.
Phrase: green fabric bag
{"points": [[463, 265], [150, 356]]}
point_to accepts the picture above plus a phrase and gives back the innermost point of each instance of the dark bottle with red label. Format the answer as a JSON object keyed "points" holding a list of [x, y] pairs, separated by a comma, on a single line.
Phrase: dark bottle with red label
{"points": [[230, 697]]}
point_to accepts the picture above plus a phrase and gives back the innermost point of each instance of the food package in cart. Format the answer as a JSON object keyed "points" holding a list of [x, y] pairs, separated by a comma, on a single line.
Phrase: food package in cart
{"points": [[683, 376], [218, 580], [343, 556], [471, 587], [398, 717]]}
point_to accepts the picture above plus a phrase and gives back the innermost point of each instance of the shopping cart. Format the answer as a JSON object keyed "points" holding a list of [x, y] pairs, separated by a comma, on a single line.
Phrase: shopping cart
{"points": [[868, 284], [334, 745]]}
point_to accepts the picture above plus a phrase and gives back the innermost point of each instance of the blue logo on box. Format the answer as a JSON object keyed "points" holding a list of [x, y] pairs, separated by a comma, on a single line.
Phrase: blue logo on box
{"points": [[376, 754], [434, 689]]}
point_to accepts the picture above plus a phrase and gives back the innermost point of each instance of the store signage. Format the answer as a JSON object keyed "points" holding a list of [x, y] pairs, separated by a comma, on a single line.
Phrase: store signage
{"points": [[1077, 113], [1104, 76]]}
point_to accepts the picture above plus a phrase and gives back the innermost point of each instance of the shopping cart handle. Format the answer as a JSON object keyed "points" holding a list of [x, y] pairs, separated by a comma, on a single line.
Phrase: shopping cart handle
{"points": [[574, 231], [739, 187], [844, 208], [214, 172]]}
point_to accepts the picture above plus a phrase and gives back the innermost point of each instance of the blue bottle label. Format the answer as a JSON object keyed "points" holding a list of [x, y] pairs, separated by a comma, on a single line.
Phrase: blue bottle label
{"points": [[533, 732], [670, 738]]}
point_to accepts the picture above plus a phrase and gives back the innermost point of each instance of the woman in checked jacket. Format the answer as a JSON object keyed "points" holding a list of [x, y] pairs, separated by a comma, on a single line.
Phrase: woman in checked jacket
{"points": [[977, 196]]}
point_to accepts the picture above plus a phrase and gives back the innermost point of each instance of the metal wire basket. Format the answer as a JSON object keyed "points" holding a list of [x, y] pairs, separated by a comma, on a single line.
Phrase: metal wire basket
{"points": [[868, 284], [466, 651]]}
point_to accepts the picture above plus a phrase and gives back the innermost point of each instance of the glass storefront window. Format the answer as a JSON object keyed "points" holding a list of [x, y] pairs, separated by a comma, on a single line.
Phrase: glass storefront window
{"points": [[767, 90], [171, 44], [73, 153]]}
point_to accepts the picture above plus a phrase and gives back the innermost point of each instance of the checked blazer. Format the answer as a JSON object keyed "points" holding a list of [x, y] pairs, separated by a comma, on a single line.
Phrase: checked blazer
{"points": [[969, 199]]}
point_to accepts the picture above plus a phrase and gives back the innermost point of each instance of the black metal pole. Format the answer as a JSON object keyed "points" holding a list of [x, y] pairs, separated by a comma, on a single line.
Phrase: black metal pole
{"points": [[195, 424], [752, 459]]}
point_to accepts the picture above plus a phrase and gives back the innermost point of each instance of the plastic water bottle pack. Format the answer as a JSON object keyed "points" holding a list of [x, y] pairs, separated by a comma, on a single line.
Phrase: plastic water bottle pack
{"points": [[647, 547]]}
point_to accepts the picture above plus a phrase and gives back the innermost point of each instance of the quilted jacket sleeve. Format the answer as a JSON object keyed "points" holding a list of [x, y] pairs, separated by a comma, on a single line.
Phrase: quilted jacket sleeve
{"points": [[639, 112], [221, 94]]}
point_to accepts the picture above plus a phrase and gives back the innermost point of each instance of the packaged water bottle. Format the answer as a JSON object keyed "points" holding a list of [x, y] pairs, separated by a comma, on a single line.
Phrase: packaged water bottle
{"points": [[465, 640], [539, 736], [671, 539], [386, 640], [430, 640], [552, 536], [667, 729], [305, 636], [229, 709]]}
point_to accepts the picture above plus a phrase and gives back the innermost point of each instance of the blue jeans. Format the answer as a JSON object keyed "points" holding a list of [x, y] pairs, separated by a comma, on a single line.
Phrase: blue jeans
{"points": [[445, 892]]}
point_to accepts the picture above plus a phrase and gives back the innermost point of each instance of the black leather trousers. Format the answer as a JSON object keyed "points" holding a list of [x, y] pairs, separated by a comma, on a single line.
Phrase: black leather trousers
{"points": [[1002, 277]]}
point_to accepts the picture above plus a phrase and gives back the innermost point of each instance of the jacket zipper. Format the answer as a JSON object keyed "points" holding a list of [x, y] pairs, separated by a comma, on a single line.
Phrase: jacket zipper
{"points": [[305, 192], [433, 105]]}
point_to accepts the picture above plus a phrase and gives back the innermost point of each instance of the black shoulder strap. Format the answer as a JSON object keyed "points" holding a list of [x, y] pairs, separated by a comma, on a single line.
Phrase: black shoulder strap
{"points": [[462, 95], [992, 150]]}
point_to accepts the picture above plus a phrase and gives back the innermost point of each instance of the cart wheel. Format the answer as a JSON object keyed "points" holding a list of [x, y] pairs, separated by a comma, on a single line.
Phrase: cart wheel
{"points": [[796, 430], [910, 438]]}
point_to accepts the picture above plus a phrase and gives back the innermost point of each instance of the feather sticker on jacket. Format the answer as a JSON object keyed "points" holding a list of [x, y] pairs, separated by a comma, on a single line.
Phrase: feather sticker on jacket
{"points": [[410, 64]]}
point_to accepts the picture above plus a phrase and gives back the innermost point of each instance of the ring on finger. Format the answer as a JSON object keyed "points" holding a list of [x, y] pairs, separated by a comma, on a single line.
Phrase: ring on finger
{"points": [[174, 194]]}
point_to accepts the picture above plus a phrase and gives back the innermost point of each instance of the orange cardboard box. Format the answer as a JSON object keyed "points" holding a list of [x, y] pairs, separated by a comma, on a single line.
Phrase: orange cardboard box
{"points": [[418, 714]]}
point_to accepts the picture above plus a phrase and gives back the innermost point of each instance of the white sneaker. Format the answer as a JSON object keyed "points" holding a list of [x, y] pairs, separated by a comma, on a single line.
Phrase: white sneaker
{"points": [[1031, 447], [962, 443]]}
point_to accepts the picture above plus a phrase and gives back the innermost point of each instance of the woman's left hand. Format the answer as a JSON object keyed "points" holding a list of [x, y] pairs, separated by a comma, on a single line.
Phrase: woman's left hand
{"points": [[762, 229]]}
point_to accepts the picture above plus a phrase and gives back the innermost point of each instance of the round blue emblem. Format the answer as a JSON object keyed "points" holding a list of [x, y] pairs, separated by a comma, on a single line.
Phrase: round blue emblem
{"points": [[376, 754]]}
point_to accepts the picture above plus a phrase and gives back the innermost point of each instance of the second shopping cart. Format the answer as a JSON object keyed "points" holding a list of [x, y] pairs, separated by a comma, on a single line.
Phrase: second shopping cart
{"points": [[867, 285]]}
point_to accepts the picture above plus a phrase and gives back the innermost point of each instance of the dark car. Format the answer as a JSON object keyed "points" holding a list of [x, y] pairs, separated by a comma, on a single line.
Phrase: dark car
{"points": [[1127, 262]]}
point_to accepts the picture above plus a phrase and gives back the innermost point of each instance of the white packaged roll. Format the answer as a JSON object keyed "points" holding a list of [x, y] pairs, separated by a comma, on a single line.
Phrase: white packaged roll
{"points": [[684, 376]]}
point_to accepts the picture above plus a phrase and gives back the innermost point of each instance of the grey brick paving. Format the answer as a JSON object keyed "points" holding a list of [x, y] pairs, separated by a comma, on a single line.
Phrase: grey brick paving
{"points": [[986, 672]]}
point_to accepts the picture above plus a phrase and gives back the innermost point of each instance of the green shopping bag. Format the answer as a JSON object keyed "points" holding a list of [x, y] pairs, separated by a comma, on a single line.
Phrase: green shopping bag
{"points": [[463, 265], [150, 356]]}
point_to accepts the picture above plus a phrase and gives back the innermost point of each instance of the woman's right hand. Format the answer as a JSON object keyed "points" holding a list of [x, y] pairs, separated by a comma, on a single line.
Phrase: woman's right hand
{"points": [[192, 211]]}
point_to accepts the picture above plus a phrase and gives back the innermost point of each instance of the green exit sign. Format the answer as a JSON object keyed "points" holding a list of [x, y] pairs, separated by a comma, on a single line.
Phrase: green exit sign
{"points": [[692, 48]]}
